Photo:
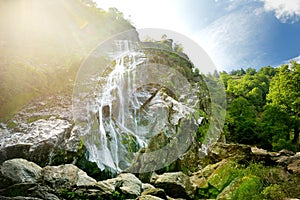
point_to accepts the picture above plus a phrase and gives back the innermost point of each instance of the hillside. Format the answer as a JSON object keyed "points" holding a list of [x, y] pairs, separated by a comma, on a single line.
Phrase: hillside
{"points": [[43, 44]]}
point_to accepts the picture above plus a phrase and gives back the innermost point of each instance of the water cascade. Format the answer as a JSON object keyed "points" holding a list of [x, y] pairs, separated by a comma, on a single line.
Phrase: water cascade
{"points": [[129, 102]]}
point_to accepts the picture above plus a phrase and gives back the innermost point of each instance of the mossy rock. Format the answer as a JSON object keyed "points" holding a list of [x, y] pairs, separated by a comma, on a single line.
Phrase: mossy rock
{"points": [[223, 175], [247, 187], [219, 177], [274, 192]]}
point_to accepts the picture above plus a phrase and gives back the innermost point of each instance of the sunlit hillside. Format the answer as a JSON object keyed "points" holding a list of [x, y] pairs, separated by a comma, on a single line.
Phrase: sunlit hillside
{"points": [[43, 42]]}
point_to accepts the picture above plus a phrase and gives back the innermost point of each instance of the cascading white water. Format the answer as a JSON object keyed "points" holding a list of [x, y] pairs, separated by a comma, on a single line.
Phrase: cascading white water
{"points": [[130, 104], [107, 137], [129, 93]]}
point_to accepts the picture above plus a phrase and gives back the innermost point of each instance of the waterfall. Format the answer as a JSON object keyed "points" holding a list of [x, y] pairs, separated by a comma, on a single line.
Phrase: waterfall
{"points": [[128, 104], [111, 124]]}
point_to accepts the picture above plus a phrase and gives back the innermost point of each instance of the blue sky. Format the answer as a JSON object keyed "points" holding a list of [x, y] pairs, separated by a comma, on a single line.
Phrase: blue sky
{"points": [[234, 33]]}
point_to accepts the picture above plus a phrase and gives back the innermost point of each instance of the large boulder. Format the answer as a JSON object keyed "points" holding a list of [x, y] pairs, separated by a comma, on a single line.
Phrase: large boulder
{"points": [[43, 132], [175, 184], [41, 141], [67, 175], [123, 186], [18, 171], [222, 151], [20, 179], [129, 184], [294, 167], [158, 192], [242, 188]]}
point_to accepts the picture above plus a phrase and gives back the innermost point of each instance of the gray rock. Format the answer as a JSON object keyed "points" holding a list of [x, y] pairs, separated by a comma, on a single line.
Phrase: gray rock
{"points": [[148, 197], [130, 184], [41, 141], [146, 186], [175, 184], [65, 176], [43, 192], [19, 198], [294, 167], [19, 189], [107, 187], [158, 192], [287, 160], [19, 171], [126, 183]]}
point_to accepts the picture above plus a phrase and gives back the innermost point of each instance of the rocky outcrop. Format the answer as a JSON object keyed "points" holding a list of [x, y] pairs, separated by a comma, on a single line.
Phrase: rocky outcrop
{"points": [[45, 141], [157, 192], [67, 175], [19, 171], [175, 184], [42, 132]]}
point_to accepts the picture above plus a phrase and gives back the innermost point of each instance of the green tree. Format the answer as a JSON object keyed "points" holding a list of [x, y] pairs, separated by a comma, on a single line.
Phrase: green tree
{"points": [[268, 71], [275, 126], [241, 122], [285, 93], [251, 71]]}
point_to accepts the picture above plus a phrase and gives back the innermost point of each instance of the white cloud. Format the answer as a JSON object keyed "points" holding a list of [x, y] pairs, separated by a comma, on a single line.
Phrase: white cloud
{"points": [[287, 11], [231, 41], [297, 59]]}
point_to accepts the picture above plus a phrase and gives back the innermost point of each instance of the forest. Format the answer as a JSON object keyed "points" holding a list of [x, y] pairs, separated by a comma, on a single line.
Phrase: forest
{"points": [[263, 106]]}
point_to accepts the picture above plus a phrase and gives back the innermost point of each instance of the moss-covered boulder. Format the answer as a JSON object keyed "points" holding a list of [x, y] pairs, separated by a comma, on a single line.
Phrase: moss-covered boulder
{"points": [[223, 175], [247, 187]]}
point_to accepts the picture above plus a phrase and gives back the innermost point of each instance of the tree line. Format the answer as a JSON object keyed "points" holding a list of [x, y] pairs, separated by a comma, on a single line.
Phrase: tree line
{"points": [[263, 106]]}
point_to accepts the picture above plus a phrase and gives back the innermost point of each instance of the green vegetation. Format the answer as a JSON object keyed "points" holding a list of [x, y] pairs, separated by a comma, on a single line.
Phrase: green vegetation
{"points": [[41, 55], [255, 181], [263, 107]]}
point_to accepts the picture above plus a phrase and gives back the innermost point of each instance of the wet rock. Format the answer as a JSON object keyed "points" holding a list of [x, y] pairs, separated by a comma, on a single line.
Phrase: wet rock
{"points": [[65, 176], [147, 159], [42, 132], [18, 171], [175, 184], [14, 151]]}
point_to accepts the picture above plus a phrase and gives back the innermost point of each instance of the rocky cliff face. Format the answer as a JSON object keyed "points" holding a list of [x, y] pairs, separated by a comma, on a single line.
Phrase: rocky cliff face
{"points": [[42, 132]]}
